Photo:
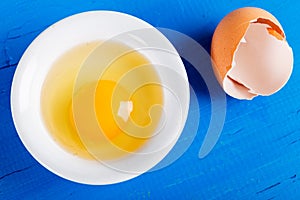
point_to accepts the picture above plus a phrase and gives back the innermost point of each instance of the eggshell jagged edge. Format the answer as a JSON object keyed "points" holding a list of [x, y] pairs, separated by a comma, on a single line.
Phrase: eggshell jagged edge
{"points": [[244, 83]]}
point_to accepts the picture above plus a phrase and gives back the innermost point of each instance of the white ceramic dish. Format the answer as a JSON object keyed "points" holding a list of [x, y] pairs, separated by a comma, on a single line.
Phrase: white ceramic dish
{"points": [[70, 32]]}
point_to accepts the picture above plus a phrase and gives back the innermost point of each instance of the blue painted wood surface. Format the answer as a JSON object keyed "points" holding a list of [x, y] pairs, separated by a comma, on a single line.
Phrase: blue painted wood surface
{"points": [[257, 156]]}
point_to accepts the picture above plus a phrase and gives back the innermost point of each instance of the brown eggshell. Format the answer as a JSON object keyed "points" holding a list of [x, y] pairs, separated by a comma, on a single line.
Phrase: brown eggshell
{"points": [[229, 33], [250, 54]]}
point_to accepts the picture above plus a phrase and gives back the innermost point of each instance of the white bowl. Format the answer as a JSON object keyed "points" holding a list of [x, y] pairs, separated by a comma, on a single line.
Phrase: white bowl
{"points": [[66, 34]]}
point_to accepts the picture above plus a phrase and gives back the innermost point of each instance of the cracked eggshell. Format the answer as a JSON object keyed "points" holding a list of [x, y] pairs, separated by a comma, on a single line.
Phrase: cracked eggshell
{"points": [[250, 54]]}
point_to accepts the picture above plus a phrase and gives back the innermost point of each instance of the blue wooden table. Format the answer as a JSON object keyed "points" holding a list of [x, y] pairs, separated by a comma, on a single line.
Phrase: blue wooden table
{"points": [[257, 156]]}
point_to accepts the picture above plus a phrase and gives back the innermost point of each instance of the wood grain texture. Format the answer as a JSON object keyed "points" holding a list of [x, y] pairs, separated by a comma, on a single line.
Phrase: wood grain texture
{"points": [[257, 156]]}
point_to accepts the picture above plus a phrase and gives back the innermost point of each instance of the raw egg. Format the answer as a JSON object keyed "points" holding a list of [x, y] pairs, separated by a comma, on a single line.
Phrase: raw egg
{"points": [[250, 54]]}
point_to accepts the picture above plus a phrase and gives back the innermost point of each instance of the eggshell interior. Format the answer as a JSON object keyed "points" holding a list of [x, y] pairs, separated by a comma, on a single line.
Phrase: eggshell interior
{"points": [[262, 62]]}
